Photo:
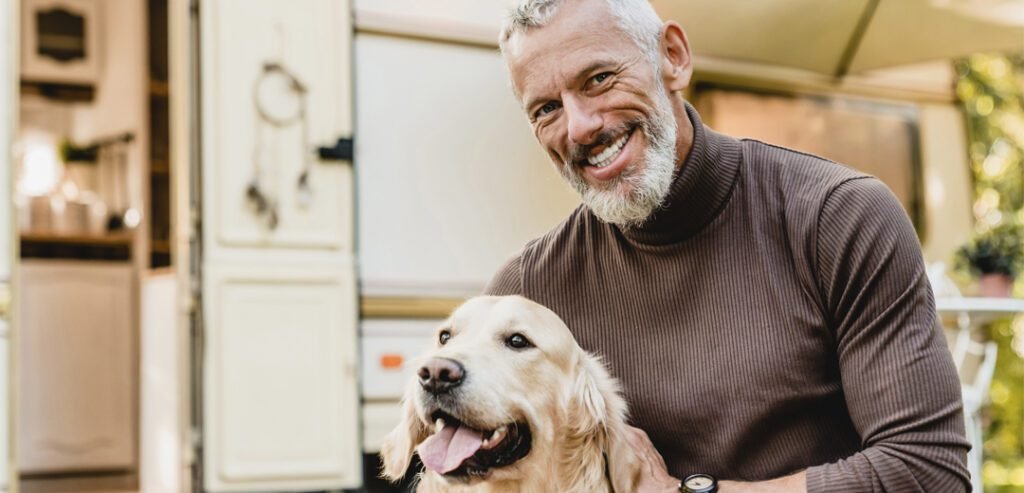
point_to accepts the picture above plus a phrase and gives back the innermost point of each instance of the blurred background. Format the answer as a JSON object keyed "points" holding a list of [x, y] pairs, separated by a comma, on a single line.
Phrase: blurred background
{"points": [[230, 222]]}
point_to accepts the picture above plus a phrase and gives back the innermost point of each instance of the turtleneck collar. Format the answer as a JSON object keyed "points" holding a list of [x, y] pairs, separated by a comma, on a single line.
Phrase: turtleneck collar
{"points": [[699, 190]]}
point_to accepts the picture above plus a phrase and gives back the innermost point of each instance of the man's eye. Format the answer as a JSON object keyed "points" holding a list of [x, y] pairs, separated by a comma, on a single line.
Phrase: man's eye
{"points": [[443, 337], [548, 108], [518, 341], [599, 78]]}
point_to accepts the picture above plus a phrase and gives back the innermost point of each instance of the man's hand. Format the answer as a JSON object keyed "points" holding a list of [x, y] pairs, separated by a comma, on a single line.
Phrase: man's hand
{"points": [[656, 478]]}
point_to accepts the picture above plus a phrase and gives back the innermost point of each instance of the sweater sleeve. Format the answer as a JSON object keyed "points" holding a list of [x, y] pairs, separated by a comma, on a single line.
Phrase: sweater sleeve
{"points": [[897, 375], [509, 278]]}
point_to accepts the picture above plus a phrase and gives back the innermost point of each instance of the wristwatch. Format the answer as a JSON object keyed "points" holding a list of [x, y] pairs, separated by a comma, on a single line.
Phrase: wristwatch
{"points": [[699, 483]]}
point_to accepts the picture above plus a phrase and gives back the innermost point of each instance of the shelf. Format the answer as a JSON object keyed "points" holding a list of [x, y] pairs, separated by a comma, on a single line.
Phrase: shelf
{"points": [[159, 88], [160, 246], [112, 239], [109, 247], [159, 166], [72, 93]]}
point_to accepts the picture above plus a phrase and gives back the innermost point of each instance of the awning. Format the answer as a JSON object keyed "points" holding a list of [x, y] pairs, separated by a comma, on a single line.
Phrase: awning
{"points": [[837, 37]]}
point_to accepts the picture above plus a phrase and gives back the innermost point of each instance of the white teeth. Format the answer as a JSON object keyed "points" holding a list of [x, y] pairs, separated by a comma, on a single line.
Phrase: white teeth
{"points": [[498, 434], [438, 425], [496, 437], [605, 157]]}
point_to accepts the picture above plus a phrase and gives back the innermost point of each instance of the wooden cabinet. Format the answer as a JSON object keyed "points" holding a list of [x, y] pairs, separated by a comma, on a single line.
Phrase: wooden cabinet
{"points": [[76, 401]]}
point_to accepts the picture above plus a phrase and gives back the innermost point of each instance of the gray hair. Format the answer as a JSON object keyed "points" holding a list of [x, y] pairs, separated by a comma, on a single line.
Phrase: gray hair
{"points": [[636, 18]]}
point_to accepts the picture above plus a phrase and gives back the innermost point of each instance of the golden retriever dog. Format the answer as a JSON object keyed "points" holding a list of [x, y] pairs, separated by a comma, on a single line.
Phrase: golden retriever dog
{"points": [[506, 401]]}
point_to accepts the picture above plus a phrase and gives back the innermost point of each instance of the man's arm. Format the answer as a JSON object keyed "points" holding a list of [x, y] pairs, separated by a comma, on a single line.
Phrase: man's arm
{"points": [[794, 483], [901, 387], [900, 384], [657, 479]]}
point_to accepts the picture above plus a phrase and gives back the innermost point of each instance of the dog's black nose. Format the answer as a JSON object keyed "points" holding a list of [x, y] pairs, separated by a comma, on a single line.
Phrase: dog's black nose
{"points": [[441, 375]]}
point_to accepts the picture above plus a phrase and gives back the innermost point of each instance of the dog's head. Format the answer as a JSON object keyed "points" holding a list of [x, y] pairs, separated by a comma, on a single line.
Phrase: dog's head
{"points": [[505, 387]]}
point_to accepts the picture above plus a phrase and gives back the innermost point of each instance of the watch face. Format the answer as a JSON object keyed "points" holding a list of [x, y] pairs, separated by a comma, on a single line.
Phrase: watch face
{"points": [[700, 483]]}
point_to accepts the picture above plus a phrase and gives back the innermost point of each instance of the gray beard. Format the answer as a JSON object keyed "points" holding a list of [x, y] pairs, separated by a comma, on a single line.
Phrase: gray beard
{"points": [[630, 199]]}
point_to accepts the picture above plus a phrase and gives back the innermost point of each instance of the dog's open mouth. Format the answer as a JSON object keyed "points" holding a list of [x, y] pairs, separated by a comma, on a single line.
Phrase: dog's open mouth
{"points": [[456, 449]]}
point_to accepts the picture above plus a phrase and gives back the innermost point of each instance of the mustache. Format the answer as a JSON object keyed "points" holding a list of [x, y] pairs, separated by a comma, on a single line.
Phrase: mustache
{"points": [[578, 154]]}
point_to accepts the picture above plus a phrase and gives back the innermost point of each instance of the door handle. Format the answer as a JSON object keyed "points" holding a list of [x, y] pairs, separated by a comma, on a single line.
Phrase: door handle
{"points": [[342, 150]]}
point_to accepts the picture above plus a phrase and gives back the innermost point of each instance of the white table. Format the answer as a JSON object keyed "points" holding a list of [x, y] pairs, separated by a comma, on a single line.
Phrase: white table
{"points": [[981, 310], [975, 389]]}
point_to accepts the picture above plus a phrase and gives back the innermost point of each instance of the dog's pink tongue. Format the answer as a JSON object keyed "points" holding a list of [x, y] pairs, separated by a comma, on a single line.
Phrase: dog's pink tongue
{"points": [[444, 451]]}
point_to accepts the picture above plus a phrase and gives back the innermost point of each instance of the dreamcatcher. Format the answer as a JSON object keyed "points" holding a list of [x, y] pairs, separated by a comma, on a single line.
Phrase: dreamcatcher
{"points": [[280, 101]]}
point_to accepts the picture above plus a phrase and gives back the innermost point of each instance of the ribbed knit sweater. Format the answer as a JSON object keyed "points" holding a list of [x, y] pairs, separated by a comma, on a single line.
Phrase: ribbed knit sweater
{"points": [[773, 316]]}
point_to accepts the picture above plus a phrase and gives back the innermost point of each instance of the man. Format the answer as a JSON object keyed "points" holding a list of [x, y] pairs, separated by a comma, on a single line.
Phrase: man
{"points": [[766, 311]]}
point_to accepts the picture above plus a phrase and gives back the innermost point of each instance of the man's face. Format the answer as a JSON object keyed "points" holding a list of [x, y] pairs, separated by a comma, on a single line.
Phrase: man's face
{"points": [[597, 104]]}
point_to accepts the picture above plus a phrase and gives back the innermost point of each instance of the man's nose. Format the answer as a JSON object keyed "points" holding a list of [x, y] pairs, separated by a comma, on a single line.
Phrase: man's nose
{"points": [[441, 375], [584, 123]]}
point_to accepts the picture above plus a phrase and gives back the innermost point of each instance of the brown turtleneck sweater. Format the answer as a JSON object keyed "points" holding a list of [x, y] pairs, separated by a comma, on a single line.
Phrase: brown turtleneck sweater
{"points": [[774, 316]]}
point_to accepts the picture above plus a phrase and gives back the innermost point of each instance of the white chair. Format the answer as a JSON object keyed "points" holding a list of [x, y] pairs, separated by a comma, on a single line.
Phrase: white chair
{"points": [[975, 362], [975, 394]]}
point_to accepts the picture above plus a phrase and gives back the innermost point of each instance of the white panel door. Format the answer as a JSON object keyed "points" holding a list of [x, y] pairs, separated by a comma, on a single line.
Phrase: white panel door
{"points": [[281, 397], [280, 393], [310, 39]]}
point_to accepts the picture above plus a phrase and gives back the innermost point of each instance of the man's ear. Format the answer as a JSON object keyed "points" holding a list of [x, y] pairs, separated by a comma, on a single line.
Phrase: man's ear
{"points": [[676, 60], [399, 445]]}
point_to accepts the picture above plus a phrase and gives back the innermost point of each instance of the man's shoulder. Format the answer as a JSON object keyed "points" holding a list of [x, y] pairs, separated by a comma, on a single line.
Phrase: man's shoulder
{"points": [[797, 181], [774, 162]]}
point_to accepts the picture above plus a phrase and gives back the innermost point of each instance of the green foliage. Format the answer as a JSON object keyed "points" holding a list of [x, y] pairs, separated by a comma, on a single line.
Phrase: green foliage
{"points": [[996, 251], [991, 89], [1004, 444]]}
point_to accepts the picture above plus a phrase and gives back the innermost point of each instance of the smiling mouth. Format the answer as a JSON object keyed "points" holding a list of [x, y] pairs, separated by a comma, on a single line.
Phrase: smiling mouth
{"points": [[460, 451], [612, 151]]}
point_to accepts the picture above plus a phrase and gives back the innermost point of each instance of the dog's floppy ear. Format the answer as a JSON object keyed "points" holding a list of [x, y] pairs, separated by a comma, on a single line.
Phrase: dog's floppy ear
{"points": [[595, 404], [600, 411], [399, 445]]}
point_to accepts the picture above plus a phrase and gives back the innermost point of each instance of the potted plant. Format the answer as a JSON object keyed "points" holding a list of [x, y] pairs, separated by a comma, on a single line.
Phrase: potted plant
{"points": [[994, 257]]}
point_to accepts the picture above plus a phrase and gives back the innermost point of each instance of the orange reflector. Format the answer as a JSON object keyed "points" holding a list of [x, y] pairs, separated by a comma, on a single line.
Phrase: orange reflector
{"points": [[391, 361]]}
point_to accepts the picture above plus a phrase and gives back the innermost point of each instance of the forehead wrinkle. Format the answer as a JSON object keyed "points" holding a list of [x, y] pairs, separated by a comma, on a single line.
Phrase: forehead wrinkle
{"points": [[534, 48], [564, 76]]}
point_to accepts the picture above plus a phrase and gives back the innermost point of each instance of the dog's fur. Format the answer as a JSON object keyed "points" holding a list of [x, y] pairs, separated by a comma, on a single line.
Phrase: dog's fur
{"points": [[570, 402]]}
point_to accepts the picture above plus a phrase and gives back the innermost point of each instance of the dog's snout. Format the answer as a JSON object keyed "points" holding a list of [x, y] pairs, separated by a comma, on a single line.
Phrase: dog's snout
{"points": [[440, 375]]}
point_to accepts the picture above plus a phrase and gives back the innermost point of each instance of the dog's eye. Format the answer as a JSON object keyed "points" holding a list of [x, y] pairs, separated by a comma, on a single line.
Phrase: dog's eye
{"points": [[518, 341], [443, 337]]}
